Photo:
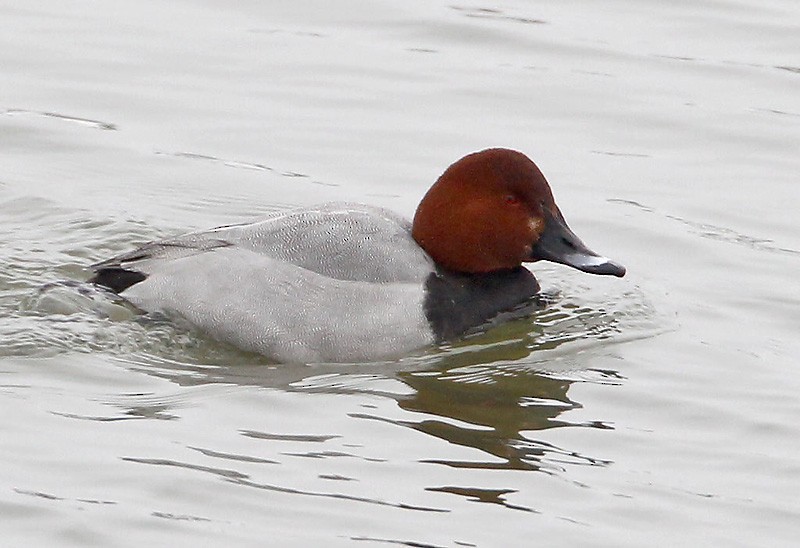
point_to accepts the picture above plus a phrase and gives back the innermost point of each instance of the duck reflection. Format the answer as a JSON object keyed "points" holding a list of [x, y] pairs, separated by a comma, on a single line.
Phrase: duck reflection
{"points": [[491, 392], [497, 406]]}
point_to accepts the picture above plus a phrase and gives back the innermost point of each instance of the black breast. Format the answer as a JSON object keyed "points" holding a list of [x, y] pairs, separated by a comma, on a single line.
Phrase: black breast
{"points": [[458, 303]]}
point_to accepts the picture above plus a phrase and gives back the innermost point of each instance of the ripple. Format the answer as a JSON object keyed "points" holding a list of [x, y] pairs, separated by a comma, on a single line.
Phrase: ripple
{"points": [[496, 14], [221, 472], [243, 479], [339, 496], [715, 232], [409, 543], [178, 517], [308, 438], [239, 164], [491, 496], [50, 496], [97, 124], [231, 456]]}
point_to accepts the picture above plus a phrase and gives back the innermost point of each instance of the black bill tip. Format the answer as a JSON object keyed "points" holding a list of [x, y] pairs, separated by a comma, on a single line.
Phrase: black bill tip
{"points": [[594, 264]]}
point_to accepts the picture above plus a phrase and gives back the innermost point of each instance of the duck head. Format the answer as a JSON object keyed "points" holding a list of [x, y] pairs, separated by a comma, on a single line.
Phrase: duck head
{"points": [[494, 210]]}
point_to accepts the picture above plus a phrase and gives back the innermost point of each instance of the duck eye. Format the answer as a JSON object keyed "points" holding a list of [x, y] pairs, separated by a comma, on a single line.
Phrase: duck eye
{"points": [[511, 199]]}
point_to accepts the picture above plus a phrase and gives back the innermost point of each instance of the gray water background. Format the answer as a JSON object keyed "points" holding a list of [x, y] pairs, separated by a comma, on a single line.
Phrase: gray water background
{"points": [[660, 409]]}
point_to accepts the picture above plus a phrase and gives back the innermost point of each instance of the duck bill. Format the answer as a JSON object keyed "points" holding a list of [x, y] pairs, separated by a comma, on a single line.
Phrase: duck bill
{"points": [[559, 244]]}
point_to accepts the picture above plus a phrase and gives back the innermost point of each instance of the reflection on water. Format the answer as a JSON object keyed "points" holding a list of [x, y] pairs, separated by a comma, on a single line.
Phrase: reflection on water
{"points": [[495, 391], [497, 412], [492, 392]]}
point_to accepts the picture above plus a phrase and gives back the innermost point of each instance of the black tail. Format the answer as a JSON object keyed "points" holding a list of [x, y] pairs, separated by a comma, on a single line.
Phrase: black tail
{"points": [[117, 279]]}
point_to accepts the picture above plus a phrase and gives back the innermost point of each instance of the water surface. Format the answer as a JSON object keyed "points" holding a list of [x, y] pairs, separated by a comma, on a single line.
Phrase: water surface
{"points": [[658, 409]]}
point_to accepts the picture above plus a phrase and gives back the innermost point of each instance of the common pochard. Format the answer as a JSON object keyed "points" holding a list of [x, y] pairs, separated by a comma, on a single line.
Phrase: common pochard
{"points": [[352, 282]]}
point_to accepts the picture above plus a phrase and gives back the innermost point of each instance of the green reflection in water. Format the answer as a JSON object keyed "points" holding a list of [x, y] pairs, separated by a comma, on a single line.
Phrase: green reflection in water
{"points": [[490, 392], [500, 387]]}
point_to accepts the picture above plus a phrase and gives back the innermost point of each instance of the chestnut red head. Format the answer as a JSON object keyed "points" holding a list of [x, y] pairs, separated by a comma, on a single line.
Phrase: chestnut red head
{"points": [[493, 210]]}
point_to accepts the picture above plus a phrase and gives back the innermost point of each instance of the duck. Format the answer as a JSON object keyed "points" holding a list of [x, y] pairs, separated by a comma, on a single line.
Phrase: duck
{"points": [[348, 282]]}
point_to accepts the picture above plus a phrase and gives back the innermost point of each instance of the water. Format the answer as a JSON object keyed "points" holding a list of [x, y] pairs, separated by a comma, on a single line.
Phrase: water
{"points": [[659, 409]]}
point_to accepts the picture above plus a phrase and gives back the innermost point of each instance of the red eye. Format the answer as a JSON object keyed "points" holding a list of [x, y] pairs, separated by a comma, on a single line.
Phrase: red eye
{"points": [[511, 199]]}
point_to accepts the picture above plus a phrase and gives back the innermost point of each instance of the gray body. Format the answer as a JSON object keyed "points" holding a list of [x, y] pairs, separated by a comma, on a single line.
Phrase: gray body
{"points": [[340, 282]]}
